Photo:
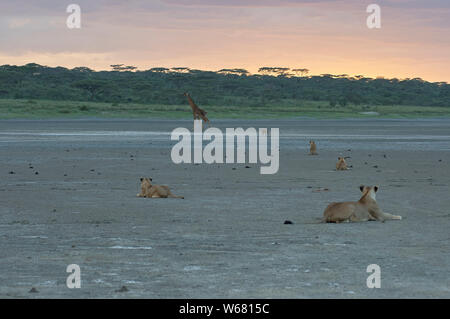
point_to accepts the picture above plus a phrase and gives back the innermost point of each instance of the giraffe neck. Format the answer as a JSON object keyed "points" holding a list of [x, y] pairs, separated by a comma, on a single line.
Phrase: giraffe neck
{"points": [[191, 102]]}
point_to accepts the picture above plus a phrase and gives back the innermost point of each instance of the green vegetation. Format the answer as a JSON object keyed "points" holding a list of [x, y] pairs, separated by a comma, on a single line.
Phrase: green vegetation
{"points": [[18, 108], [34, 91]]}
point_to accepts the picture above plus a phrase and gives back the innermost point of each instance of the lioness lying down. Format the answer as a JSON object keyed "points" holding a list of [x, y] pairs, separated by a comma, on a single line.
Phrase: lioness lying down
{"points": [[363, 210], [155, 191]]}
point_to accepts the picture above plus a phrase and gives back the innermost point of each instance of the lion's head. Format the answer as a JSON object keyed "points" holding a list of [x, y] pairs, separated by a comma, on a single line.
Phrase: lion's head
{"points": [[146, 182], [369, 191]]}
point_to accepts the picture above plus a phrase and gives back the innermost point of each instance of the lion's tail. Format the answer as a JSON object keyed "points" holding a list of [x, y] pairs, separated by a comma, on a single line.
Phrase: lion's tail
{"points": [[175, 196], [317, 221]]}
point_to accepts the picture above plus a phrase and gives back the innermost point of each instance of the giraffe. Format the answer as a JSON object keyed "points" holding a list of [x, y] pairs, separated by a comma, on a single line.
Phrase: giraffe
{"points": [[197, 112]]}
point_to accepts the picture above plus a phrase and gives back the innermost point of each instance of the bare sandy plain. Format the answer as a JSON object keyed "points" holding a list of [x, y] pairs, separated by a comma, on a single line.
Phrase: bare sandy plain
{"points": [[68, 196]]}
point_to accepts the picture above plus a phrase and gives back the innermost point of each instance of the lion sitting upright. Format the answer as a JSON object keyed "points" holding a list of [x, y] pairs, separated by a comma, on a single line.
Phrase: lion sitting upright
{"points": [[341, 164], [363, 210], [312, 148], [155, 191]]}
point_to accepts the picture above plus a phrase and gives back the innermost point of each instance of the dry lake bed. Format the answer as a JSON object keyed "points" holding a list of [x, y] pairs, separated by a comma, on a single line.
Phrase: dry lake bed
{"points": [[68, 196]]}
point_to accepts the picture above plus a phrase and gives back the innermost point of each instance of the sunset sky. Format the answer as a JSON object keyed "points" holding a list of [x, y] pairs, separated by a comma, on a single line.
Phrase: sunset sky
{"points": [[325, 36]]}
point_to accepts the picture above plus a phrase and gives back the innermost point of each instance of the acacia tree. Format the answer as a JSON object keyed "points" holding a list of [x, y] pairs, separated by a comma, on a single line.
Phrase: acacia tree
{"points": [[180, 69], [82, 69], [122, 67], [159, 70], [302, 72], [274, 71], [234, 71], [130, 68]]}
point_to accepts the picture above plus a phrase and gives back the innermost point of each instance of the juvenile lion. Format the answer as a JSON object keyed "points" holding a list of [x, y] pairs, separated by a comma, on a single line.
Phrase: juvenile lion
{"points": [[155, 191], [312, 148], [341, 165], [363, 210]]}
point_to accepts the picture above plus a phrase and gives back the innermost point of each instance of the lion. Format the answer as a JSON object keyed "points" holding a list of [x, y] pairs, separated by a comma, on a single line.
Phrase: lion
{"points": [[312, 148], [155, 191], [341, 165], [363, 210]]}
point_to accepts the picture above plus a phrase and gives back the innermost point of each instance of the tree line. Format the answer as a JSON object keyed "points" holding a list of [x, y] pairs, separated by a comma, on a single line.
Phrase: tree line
{"points": [[236, 87]]}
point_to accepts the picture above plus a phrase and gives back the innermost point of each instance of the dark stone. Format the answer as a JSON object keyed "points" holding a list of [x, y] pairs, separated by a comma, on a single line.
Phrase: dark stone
{"points": [[122, 289]]}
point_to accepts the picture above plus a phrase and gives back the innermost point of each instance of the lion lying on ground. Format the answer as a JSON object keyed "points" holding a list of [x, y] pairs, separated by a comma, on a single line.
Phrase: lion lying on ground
{"points": [[363, 210], [155, 191]]}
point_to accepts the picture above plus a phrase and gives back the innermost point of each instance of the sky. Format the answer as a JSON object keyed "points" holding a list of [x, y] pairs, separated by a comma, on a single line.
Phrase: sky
{"points": [[324, 36]]}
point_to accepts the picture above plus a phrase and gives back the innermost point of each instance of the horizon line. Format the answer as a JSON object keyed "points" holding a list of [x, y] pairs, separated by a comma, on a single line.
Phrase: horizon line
{"points": [[248, 73]]}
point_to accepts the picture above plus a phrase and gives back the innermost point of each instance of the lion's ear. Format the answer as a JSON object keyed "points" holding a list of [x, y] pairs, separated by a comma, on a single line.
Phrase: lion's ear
{"points": [[150, 178], [375, 188], [361, 188], [141, 179]]}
